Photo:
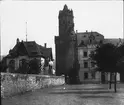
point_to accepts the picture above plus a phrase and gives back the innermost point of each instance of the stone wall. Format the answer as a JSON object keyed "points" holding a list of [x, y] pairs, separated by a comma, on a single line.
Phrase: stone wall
{"points": [[12, 84]]}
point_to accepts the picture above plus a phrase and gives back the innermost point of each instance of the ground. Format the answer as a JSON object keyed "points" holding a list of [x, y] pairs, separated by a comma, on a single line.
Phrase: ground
{"points": [[85, 94]]}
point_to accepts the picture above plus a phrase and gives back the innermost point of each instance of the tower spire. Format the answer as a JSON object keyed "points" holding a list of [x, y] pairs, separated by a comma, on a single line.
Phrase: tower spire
{"points": [[26, 31], [65, 7]]}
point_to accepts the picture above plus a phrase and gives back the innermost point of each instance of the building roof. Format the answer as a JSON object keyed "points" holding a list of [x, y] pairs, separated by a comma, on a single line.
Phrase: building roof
{"points": [[85, 38], [47, 52], [89, 38], [31, 49], [115, 41], [65, 7], [65, 11]]}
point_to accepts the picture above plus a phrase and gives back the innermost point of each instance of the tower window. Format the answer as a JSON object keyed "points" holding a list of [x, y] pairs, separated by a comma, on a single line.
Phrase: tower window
{"points": [[85, 64]]}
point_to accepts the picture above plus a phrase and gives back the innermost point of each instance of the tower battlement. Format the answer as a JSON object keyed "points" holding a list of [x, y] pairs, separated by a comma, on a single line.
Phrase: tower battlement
{"points": [[65, 12]]}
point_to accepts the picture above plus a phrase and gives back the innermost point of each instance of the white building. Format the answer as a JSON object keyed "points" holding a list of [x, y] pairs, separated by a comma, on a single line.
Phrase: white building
{"points": [[87, 42]]}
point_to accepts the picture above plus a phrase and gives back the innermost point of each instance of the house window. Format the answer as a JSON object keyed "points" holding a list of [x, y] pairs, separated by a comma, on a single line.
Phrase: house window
{"points": [[85, 75], [85, 64], [85, 53], [22, 62], [11, 65]]}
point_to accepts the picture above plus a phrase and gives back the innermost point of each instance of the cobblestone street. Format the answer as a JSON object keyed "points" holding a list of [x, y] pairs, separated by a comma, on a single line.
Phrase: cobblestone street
{"points": [[86, 94]]}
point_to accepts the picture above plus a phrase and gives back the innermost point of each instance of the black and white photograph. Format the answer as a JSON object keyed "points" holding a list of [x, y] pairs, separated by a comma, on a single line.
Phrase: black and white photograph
{"points": [[62, 52]]}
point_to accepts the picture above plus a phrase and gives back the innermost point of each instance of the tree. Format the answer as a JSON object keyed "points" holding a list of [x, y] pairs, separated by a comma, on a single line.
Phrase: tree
{"points": [[121, 50], [106, 57], [34, 66], [3, 67]]}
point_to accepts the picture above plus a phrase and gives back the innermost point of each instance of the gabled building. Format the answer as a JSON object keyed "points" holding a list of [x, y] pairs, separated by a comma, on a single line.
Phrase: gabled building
{"points": [[26, 51]]}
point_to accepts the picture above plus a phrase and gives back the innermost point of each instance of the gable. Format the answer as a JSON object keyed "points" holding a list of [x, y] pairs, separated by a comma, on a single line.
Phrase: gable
{"points": [[32, 48], [22, 50], [47, 52], [17, 50]]}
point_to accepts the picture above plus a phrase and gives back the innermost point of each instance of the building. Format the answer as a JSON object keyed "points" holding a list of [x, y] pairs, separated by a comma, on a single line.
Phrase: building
{"points": [[64, 43], [121, 67], [86, 43], [26, 51]]}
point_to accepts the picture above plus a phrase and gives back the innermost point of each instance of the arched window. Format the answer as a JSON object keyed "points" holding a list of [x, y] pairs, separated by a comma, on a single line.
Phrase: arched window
{"points": [[22, 62], [11, 65]]}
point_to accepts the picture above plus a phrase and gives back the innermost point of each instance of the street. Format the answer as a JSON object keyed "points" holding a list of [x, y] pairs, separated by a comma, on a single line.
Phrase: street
{"points": [[85, 94]]}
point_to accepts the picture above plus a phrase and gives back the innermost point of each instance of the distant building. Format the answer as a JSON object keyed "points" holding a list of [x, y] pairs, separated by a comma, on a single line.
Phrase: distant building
{"points": [[87, 42], [26, 51]]}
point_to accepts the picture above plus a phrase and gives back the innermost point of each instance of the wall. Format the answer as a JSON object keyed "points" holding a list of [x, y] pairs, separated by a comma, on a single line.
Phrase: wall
{"points": [[12, 84], [64, 54]]}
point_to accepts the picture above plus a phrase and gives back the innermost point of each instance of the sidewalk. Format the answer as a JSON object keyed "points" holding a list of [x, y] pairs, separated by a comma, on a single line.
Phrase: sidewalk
{"points": [[86, 94]]}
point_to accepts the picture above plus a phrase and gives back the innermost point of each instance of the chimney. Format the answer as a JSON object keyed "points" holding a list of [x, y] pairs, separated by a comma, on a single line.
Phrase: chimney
{"points": [[17, 41], [86, 31], [45, 45]]}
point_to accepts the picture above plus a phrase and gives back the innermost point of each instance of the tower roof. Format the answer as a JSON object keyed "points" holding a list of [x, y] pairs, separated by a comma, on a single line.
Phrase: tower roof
{"points": [[65, 11], [65, 7]]}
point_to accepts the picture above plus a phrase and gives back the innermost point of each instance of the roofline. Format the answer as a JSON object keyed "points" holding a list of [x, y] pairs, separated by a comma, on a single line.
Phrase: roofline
{"points": [[114, 38], [88, 32]]}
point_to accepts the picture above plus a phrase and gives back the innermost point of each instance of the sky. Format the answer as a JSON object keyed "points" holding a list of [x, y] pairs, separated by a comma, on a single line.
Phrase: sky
{"points": [[105, 17]]}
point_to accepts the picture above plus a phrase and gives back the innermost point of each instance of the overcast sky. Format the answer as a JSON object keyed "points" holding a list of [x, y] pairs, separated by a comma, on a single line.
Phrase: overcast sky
{"points": [[105, 17]]}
